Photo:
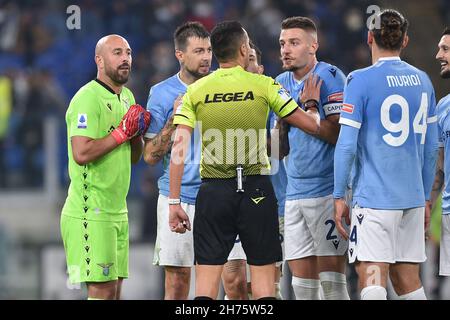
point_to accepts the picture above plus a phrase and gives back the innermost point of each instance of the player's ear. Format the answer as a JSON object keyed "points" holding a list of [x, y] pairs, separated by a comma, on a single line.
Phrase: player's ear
{"points": [[314, 47], [370, 38], [260, 69], [405, 41], [99, 61], [179, 55]]}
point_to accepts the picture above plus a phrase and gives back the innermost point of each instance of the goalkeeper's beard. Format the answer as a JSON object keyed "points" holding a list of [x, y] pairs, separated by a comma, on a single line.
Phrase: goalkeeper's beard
{"points": [[115, 75]]}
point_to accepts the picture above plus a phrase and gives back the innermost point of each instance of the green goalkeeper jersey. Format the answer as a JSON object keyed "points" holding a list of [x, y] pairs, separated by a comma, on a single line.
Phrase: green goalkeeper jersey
{"points": [[98, 190], [231, 107]]}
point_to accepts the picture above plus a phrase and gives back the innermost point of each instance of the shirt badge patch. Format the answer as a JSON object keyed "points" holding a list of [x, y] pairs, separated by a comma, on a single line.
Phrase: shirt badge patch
{"points": [[346, 107], [82, 121], [284, 94]]}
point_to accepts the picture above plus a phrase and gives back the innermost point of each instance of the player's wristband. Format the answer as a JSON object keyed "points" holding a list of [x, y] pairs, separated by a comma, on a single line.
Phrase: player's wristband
{"points": [[311, 103], [119, 136], [173, 201]]}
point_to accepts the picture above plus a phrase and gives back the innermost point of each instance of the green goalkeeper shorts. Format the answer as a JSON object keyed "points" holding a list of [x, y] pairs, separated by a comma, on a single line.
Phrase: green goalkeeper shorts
{"points": [[96, 251]]}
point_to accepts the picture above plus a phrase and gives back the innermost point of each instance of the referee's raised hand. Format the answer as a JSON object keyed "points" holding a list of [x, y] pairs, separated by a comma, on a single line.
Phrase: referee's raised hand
{"points": [[178, 219]]}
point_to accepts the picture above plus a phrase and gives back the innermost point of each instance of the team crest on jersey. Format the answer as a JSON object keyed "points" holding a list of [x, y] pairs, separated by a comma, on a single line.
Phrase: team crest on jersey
{"points": [[105, 267], [347, 107], [284, 94], [82, 121]]}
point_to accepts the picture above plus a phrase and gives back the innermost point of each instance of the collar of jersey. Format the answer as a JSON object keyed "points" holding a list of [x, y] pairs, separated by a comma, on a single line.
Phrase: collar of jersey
{"points": [[396, 58], [104, 85], [306, 75], [181, 81], [238, 67]]}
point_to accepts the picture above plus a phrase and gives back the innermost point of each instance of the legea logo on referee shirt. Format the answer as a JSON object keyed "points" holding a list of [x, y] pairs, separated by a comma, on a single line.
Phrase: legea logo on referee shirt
{"points": [[82, 121]]}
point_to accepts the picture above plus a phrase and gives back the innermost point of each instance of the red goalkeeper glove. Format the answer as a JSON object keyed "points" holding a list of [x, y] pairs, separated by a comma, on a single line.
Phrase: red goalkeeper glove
{"points": [[134, 122]]}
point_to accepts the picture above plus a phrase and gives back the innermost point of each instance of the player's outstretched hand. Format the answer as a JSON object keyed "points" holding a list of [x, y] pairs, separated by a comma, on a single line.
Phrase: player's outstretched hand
{"points": [[134, 122], [178, 219], [311, 89], [341, 211]]}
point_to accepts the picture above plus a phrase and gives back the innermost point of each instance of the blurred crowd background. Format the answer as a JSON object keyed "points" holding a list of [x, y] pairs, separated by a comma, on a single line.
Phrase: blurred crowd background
{"points": [[43, 63]]}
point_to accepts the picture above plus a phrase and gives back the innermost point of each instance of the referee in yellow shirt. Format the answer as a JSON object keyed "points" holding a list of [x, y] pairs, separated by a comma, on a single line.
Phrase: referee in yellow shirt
{"points": [[230, 109]]}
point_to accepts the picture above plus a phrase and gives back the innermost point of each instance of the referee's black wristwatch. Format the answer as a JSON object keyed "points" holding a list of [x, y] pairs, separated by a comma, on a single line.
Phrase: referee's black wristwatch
{"points": [[311, 103]]}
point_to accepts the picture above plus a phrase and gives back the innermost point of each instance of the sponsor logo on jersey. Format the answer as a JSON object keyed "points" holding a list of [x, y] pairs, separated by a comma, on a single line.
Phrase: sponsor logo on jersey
{"points": [[333, 71], [258, 200], [336, 244], [82, 121], [126, 102], [336, 97], [349, 79], [346, 107], [229, 97], [360, 218]]}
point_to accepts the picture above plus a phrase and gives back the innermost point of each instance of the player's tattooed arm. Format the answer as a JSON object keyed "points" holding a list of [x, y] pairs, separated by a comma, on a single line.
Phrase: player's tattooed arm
{"points": [[439, 178], [155, 148]]}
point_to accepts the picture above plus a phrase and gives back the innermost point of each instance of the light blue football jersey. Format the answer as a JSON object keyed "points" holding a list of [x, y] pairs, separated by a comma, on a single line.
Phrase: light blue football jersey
{"points": [[443, 109], [278, 173], [391, 107], [309, 166], [160, 104]]}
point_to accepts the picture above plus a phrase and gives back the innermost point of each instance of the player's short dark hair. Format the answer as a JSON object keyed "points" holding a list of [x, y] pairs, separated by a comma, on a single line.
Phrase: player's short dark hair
{"points": [[258, 53], [446, 31], [226, 38], [190, 29], [303, 23], [392, 29]]}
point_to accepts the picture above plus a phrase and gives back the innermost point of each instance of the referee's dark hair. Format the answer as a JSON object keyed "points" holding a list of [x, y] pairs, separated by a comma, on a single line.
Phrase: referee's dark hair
{"points": [[226, 39], [446, 31], [187, 30]]}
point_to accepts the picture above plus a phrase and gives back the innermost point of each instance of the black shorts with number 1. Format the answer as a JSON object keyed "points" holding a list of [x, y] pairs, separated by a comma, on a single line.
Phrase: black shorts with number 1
{"points": [[221, 214]]}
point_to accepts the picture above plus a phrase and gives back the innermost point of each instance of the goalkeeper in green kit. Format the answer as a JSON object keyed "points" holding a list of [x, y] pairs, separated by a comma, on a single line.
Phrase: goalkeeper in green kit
{"points": [[104, 131]]}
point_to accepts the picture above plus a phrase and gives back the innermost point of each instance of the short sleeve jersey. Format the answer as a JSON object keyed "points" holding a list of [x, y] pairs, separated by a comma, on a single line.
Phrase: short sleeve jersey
{"points": [[160, 104], [231, 108], [98, 190], [391, 103], [443, 109], [304, 179]]}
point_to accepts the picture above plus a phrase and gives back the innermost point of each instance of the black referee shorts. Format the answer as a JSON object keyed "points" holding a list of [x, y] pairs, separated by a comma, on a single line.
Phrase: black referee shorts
{"points": [[221, 214]]}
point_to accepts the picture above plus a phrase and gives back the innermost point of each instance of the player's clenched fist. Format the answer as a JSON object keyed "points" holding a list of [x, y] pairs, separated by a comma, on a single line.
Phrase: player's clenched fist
{"points": [[135, 122]]}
